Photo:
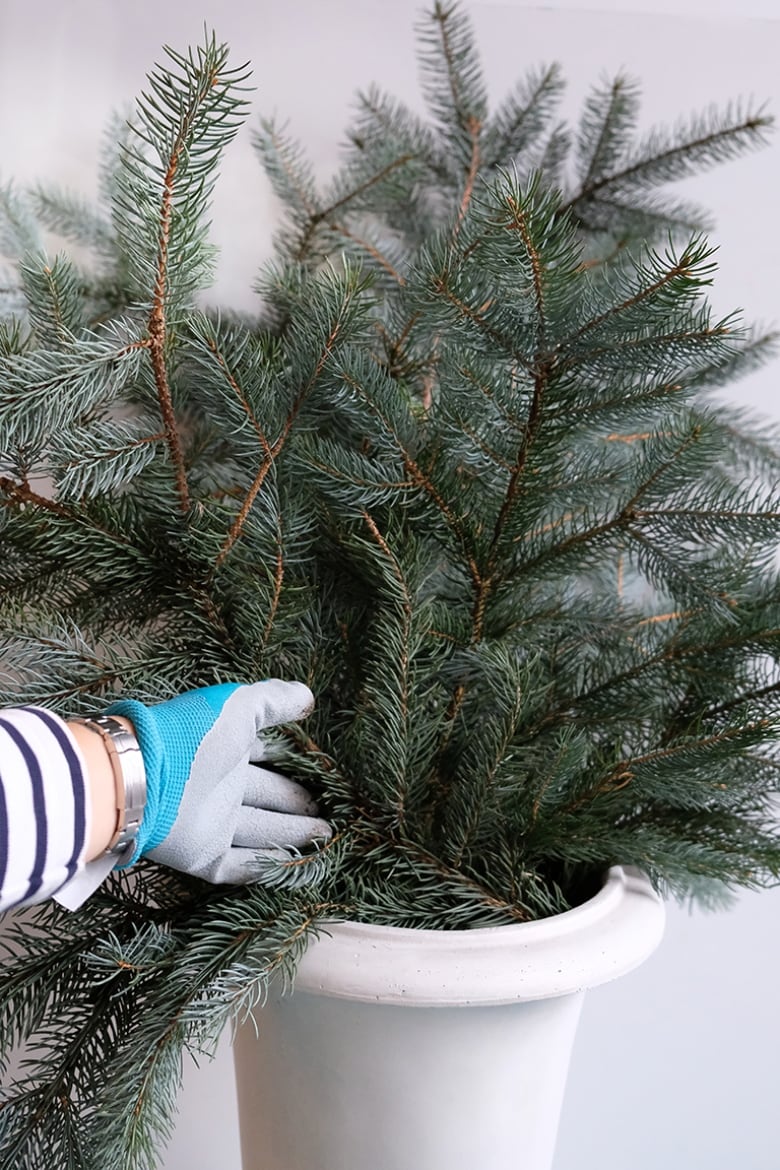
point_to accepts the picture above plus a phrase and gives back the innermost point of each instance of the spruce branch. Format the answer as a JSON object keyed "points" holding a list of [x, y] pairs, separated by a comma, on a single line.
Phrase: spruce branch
{"points": [[670, 276], [619, 522], [240, 394], [193, 108], [541, 382], [277, 446], [708, 140], [353, 195], [625, 772], [441, 286], [452, 76], [370, 250], [523, 116], [293, 179], [519, 223], [72, 218], [609, 115], [418, 475], [473, 127]]}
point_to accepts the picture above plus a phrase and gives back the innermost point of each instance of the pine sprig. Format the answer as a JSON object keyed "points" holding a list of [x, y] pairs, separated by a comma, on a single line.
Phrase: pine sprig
{"points": [[452, 80]]}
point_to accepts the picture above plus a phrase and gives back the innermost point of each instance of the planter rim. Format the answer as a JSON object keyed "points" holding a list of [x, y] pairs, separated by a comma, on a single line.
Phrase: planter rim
{"points": [[605, 937]]}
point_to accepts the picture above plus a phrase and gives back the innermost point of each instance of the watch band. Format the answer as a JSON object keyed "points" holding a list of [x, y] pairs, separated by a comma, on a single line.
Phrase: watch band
{"points": [[127, 765]]}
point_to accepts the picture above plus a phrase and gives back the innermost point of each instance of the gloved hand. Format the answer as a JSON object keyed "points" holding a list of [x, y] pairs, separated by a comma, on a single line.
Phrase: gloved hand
{"points": [[211, 806]]}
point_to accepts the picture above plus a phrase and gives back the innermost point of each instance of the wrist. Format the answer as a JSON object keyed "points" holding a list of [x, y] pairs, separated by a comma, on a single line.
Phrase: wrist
{"points": [[105, 783]]}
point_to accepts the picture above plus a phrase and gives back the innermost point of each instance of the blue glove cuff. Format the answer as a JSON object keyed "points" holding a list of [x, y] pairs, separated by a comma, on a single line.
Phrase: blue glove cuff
{"points": [[169, 735]]}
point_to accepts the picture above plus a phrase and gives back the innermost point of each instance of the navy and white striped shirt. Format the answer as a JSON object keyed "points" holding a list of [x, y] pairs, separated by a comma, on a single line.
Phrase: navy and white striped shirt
{"points": [[44, 811]]}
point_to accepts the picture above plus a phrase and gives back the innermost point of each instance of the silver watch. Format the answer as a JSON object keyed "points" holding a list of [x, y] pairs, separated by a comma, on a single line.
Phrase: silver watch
{"points": [[127, 764]]}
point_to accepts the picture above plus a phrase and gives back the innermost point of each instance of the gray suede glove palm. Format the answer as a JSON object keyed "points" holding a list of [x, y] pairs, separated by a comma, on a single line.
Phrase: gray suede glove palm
{"points": [[213, 805]]}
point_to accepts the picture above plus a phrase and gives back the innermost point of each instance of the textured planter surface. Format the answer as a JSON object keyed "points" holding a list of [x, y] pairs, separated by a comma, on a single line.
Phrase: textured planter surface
{"points": [[344, 1076]]}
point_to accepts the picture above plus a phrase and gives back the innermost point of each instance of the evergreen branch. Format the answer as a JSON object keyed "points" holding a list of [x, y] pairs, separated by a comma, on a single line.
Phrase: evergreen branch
{"points": [[533, 426], [240, 395], [452, 76], [473, 127], [419, 478], [22, 493], [72, 217], [508, 729], [686, 269], [339, 474], [54, 299], [392, 121], [523, 117], [485, 448], [623, 773], [399, 714], [621, 520], [301, 185], [742, 699], [653, 341], [63, 331], [19, 231], [679, 157], [373, 252], [520, 224], [326, 212], [656, 393], [440, 285], [115, 456], [641, 217], [552, 158], [441, 15], [157, 324], [293, 179], [461, 878], [395, 568], [483, 581], [192, 111], [44, 391], [610, 113], [489, 393], [274, 450], [674, 652], [705, 514]]}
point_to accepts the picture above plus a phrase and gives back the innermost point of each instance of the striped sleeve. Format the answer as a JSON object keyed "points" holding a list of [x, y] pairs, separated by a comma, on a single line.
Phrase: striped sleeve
{"points": [[44, 812]]}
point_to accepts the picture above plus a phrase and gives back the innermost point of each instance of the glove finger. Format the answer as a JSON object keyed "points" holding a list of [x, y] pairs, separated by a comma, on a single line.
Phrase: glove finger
{"points": [[275, 701], [238, 867], [271, 790], [257, 828]]}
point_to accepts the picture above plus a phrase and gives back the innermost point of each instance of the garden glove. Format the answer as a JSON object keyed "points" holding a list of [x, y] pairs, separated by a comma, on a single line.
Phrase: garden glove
{"points": [[211, 805]]}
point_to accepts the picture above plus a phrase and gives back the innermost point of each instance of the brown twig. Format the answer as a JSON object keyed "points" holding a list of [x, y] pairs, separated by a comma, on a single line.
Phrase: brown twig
{"points": [[473, 126], [22, 493], [158, 326]]}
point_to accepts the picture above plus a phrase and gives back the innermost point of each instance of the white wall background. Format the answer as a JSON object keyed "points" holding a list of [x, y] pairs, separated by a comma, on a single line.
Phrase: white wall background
{"points": [[675, 1065]]}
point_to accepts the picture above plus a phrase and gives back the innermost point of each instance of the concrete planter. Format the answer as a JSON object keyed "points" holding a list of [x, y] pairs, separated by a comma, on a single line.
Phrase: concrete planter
{"points": [[433, 1050]]}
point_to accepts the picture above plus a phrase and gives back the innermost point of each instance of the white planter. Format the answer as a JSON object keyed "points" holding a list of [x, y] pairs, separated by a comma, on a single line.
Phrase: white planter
{"points": [[432, 1050]]}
